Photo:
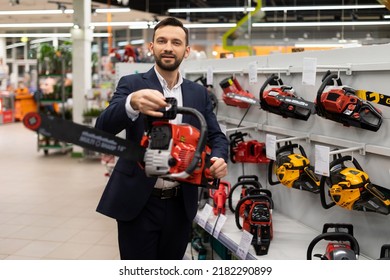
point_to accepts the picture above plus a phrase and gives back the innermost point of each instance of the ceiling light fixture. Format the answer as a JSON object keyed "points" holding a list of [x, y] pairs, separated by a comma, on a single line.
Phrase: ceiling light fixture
{"points": [[36, 24], [112, 10], [316, 24], [210, 25], [326, 7], [32, 12], [43, 35], [65, 11], [327, 45], [211, 10]]}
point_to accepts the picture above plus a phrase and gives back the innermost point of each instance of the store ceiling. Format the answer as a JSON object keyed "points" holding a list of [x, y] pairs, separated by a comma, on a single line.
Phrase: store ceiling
{"points": [[142, 10], [160, 8], [151, 10]]}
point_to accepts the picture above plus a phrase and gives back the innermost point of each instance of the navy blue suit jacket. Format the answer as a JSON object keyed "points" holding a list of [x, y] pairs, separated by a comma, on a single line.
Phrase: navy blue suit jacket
{"points": [[128, 188]]}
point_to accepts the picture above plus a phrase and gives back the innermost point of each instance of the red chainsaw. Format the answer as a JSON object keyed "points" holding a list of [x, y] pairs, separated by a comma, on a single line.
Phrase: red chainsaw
{"points": [[173, 152], [230, 85], [251, 151], [344, 105], [219, 197], [256, 211]]}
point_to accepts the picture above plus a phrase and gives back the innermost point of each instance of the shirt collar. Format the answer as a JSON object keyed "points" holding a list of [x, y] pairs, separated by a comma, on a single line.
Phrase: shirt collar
{"points": [[164, 83]]}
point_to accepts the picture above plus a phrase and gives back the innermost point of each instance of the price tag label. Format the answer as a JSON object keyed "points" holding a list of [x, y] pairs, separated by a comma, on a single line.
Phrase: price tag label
{"points": [[217, 227], [204, 215], [309, 70], [252, 73], [210, 76], [243, 247], [321, 160], [270, 143]]}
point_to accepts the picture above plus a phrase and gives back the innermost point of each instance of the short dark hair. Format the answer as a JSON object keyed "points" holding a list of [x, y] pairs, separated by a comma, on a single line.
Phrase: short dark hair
{"points": [[171, 21]]}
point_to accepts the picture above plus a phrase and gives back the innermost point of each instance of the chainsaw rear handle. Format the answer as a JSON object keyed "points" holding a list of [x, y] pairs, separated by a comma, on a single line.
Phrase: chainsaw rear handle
{"points": [[288, 147], [256, 198], [273, 80], [328, 80], [385, 252], [252, 183], [235, 139], [336, 161], [337, 227], [218, 183], [334, 236]]}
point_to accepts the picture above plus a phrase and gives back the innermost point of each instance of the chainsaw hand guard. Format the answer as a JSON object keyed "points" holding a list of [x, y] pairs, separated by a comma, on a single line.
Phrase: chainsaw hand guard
{"points": [[246, 183], [346, 246]]}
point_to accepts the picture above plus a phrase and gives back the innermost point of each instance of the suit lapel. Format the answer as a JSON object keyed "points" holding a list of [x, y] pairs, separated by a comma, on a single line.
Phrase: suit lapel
{"points": [[152, 81]]}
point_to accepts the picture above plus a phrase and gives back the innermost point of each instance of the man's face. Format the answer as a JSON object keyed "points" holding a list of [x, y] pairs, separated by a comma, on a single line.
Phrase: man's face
{"points": [[169, 47]]}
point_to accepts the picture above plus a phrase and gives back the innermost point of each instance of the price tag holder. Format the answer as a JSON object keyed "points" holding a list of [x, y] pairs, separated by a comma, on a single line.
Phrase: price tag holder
{"points": [[245, 243]]}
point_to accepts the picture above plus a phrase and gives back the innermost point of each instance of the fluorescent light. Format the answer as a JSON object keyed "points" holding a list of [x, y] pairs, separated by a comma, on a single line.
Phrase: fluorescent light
{"points": [[119, 23], [113, 10], [32, 12], [137, 42], [211, 10], [327, 45], [43, 35], [15, 45], [317, 23], [35, 24], [386, 16], [210, 25], [33, 35], [55, 12], [327, 7]]}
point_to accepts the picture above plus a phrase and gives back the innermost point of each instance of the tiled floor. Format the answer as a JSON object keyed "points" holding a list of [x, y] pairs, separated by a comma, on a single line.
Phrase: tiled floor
{"points": [[47, 203]]}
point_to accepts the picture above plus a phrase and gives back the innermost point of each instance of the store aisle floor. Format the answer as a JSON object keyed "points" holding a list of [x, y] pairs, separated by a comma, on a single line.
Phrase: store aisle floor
{"points": [[47, 203]]}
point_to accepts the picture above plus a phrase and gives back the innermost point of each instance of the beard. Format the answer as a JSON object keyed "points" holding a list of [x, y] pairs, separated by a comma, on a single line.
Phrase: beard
{"points": [[168, 66]]}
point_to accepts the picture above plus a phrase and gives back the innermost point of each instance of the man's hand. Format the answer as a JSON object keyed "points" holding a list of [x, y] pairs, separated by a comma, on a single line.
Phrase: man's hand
{"points": [[148, 102], [218, 169]]}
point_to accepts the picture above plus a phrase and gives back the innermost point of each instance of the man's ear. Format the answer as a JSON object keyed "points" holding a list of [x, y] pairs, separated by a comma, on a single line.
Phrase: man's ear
{"points": [[187, 53]]}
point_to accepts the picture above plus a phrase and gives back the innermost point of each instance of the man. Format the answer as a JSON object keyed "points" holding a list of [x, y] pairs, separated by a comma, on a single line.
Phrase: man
{"points": [[152, 225]]}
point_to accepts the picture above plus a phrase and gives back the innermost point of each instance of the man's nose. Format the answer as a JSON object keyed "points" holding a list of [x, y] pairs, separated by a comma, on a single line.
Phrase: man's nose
{"points": [[168, 46]]}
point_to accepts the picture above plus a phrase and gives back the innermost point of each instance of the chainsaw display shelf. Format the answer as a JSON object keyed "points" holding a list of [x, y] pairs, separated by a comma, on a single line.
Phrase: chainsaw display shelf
{"points": [[310, 137], [363, 68], [290, 238]]}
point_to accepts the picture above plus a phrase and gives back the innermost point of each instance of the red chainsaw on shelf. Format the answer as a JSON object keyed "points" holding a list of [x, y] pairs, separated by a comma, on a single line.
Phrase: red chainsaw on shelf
{"points": [[170, 151]]}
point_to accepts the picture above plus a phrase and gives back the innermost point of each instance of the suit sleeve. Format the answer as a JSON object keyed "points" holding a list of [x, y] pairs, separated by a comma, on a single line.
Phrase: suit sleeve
{"points": [[217, 140]]}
